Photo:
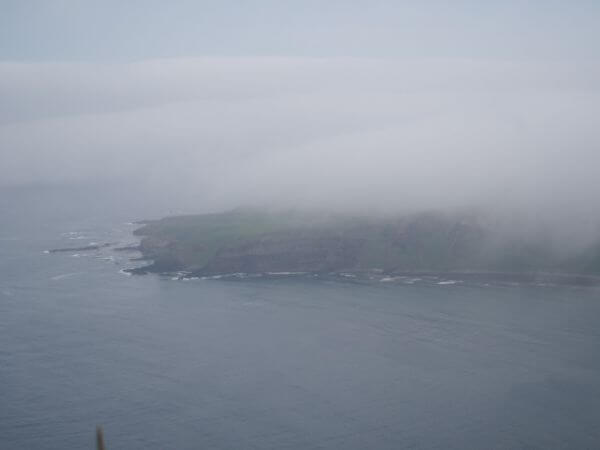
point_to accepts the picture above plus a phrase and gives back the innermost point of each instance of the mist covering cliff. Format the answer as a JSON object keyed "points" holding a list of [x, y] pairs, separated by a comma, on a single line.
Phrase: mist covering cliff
{"points": [[261, 241]]}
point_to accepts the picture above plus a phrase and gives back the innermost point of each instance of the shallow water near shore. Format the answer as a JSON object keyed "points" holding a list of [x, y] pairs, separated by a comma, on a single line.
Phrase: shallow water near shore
{"points": [[276, 362]]}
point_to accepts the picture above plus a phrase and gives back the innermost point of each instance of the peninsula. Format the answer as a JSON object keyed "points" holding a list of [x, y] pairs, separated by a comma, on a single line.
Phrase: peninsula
{"points": [[256, 241]]}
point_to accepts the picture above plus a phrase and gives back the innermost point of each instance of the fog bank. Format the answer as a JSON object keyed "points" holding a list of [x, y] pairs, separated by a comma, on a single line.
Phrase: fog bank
{"points": [[346, 133]]}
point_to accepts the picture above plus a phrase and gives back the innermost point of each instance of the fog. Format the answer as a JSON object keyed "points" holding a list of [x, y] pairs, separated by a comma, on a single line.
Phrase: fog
{"points": [[345, 133]]}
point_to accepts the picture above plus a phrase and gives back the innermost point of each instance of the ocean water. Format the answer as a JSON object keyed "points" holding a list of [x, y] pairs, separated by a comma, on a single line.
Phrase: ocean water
{"points": [[279, 363]]}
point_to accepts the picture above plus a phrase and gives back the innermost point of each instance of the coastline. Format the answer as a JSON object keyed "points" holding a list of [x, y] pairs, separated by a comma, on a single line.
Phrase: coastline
{"points": [[437, 246], [406, 277]]}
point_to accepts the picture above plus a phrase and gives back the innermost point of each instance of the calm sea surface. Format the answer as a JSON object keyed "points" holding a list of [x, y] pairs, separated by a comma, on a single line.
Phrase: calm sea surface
{"points": [[287, 363]]}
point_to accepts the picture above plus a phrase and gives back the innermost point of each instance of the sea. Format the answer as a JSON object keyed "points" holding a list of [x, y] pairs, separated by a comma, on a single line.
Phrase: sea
{"points": [[279, 362]]}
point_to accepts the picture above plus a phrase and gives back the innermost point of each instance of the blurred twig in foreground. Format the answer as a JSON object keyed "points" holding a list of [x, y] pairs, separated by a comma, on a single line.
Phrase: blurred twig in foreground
{"points": [[99, 439]]}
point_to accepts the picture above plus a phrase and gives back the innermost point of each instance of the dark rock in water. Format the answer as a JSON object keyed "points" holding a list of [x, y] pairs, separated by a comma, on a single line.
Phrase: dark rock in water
{"points": [[79, 249], [137, 270], [128, 248]]}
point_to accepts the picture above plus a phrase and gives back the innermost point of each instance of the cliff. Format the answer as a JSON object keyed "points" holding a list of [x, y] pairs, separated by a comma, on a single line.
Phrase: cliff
{"points": [[262, 242]]}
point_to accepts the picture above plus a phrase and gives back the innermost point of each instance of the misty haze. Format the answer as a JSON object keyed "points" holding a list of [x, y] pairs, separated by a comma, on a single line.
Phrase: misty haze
{"points": [[297, 225]]}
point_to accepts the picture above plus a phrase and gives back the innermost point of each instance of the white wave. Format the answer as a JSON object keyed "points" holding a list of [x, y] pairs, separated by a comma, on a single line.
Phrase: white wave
{"points": [[286, 273], [388, 279], [411, 280], [449, 282], [403, 279], [46, 251], [65, 275], [407, 280], [123, 271]]}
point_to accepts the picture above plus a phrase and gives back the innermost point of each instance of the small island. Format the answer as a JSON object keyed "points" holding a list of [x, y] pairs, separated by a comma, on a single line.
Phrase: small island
{"points": [[429, 243]]}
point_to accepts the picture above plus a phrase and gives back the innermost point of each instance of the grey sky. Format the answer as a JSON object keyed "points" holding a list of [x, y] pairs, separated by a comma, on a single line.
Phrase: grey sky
{"points": [[116, 30]]}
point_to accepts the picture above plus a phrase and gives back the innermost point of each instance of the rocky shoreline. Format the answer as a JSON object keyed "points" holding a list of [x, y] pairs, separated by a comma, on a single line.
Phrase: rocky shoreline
{"points": [[431, 277]]}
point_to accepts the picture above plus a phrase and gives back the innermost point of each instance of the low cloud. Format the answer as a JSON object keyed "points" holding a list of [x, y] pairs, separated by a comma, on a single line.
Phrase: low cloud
{"points": [[328, 133]]}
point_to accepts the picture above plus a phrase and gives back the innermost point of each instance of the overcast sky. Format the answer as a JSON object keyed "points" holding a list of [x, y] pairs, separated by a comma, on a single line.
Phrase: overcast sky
{"points": [[349, 104], [120, 30]]}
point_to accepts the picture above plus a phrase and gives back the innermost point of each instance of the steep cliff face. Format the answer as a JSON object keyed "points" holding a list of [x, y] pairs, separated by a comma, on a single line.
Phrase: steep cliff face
{"points": [[299, 251]]}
